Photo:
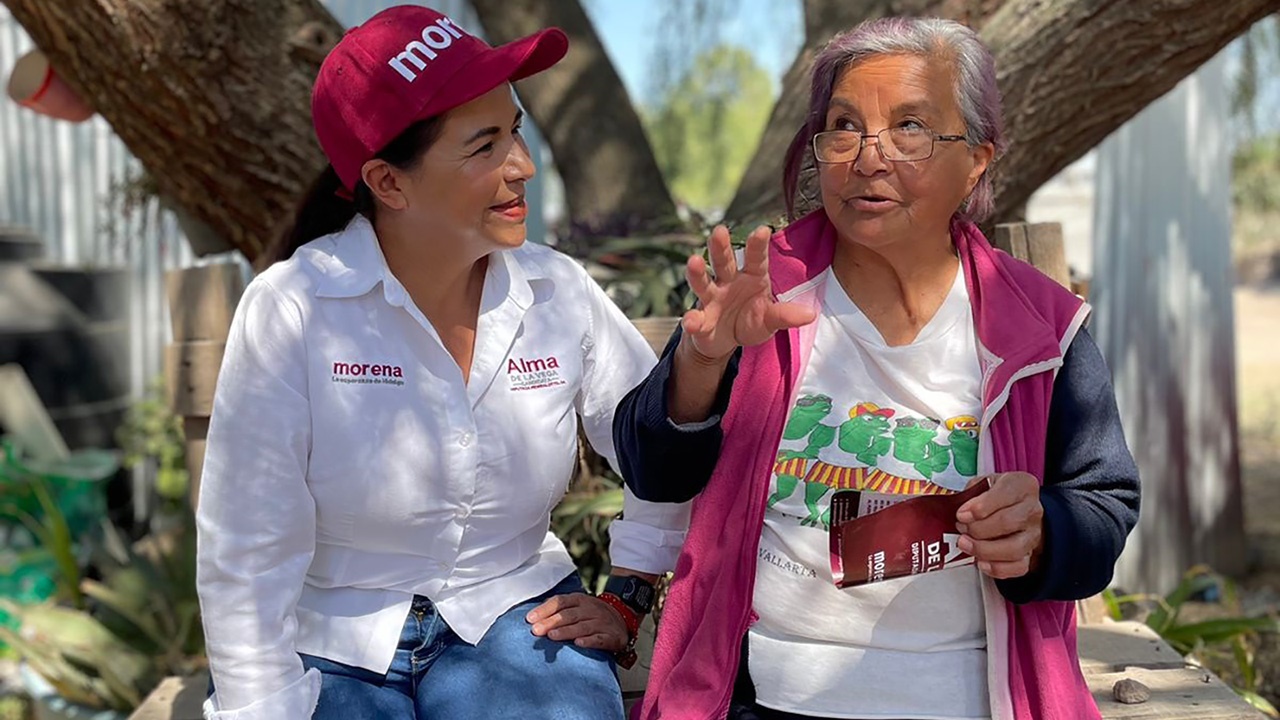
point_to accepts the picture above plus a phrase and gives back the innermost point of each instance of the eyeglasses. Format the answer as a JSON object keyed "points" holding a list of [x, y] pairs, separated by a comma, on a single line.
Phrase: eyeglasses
{"points": [[897, 144]]}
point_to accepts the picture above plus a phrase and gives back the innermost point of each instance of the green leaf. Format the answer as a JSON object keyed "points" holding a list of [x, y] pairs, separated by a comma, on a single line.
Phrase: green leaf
{"points": [[57, 541], [126, 608], [1244, 661], [81, 466], [1110, 599], [1196, 580], [1259, 703], [1219, 630]]}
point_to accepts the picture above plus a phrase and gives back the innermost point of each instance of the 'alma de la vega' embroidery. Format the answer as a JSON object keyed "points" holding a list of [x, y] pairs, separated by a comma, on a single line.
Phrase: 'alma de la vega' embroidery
{"points": [[534, 374]]}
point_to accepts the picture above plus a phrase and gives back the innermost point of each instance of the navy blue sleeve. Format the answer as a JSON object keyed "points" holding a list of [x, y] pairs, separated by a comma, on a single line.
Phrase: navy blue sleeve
{"points": [[662, 461], [1090, 493]]}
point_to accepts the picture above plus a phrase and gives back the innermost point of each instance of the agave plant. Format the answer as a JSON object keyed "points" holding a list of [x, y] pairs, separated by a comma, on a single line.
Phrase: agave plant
{"points": [[83, 660], [141, 624], [645, 276], [117, 635]]}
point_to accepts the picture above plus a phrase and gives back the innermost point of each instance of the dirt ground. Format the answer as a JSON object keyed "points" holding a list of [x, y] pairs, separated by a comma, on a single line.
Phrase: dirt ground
{"points": [[1258, 360]]}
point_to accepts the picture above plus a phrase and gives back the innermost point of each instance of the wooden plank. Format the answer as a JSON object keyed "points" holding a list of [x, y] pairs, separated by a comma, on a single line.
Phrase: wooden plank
{"points": [[1040, 244], [1092, 610], [1081, 287], [175, 698], [1113, 646], [191, 375], [1048, 251], [656, 330], [196, 430], [1012, 238], [1175, 693], [202, 301], [25, 418]]}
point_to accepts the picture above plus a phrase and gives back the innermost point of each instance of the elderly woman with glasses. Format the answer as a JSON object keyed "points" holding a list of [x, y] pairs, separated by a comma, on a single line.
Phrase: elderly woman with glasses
{"points": [[880, 344]]}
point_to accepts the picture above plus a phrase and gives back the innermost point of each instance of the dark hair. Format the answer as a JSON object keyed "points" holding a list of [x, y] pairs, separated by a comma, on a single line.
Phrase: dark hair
{"points": [[322, 211]]}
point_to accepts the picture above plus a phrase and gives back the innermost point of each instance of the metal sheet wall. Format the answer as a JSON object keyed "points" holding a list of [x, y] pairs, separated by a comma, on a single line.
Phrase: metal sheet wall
{"points": [[1163, 292]]}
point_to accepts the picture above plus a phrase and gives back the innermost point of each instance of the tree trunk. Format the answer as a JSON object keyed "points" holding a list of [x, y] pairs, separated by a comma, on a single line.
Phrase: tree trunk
{"points": [[759, 196], [1071, 73], [611, 180], [212, 97]]}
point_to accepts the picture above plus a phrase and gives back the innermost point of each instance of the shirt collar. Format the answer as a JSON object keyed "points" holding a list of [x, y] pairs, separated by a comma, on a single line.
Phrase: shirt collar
{"points": [[353, 264]]}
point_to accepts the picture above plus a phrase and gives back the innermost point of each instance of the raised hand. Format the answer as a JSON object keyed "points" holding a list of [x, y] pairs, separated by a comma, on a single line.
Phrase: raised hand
{"points": [[736, 307]]}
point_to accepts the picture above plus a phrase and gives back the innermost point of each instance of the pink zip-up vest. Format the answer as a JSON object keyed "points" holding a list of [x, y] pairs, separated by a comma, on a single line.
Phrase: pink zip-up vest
{"points": [[1024, 323]]}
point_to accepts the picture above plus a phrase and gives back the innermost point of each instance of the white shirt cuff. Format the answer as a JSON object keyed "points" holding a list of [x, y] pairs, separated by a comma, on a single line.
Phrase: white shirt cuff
{"points": [[295, 701], [644, 548]]}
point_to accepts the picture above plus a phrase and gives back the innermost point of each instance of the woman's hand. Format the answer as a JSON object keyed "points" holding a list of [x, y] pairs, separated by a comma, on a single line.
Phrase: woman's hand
{"points": [[1003, 528], [587, 621], [736, 308]]}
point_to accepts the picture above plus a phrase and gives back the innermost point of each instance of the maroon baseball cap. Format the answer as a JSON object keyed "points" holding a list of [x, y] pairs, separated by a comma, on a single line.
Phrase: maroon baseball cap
{"points": [[406, 64]]}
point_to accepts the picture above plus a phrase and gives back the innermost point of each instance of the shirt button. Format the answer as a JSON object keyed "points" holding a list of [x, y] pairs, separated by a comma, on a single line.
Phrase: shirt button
{"points": [[462, 513], [465, 439]]}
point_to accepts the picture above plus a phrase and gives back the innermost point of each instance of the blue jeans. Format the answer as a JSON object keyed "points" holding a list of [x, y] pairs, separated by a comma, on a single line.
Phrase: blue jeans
{"points": [[510, 675]]}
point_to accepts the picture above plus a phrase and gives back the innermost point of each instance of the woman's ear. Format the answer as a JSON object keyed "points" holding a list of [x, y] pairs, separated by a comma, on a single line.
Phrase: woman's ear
{"points": [[982, 155], [384, 184]]}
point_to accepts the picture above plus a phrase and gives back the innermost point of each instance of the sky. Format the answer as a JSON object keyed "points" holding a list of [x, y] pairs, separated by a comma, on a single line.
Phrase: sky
{"points": [[771, 29]]}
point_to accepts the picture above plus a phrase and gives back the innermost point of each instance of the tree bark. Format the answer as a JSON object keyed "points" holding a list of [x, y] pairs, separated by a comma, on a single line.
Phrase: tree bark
{"points": [[611, 179], [1071, 73], [212, 97]]}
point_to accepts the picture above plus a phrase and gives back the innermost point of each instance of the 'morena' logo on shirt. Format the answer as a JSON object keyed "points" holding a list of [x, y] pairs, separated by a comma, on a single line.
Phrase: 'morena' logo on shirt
{"points": [[367, 374], [534, 374]]}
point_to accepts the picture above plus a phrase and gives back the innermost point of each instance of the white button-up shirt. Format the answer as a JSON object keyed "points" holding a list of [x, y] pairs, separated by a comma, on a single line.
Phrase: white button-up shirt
{"points": [[349, 467]]}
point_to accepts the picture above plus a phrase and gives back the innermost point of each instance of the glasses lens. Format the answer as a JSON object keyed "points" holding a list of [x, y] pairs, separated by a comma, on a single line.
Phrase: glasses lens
{"points": [[837, 146], [906, 143]]}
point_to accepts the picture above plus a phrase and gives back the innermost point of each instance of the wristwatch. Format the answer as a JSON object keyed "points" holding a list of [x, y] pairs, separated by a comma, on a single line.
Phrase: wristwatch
{"points": [[636, 593]]}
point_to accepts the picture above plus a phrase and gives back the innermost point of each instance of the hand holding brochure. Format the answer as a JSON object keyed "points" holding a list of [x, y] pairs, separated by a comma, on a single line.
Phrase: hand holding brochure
{"points": [[911, 537]]}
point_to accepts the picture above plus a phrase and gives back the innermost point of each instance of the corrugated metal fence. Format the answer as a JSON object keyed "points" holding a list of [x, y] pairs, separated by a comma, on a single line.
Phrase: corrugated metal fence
{"points": [[1162, 287], [65, 182]]}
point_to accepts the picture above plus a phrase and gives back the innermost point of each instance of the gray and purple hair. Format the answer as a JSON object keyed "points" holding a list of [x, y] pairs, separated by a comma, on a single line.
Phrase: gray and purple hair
{"points": [[976, 91]]}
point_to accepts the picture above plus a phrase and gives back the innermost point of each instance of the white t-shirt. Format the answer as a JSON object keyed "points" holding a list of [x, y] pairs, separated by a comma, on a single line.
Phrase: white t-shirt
{"points": [[892, 422]]}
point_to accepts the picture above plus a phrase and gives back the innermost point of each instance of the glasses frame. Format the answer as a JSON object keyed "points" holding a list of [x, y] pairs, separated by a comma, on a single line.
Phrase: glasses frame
{"points": [[935, 138]]}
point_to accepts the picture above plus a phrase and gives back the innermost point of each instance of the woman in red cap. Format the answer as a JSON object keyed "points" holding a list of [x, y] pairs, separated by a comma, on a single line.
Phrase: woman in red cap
{"points": [[397, 414]]}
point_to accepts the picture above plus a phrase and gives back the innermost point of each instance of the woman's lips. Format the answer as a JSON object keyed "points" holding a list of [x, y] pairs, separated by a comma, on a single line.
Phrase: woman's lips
{"points": [[513, 210], [871, 203]]}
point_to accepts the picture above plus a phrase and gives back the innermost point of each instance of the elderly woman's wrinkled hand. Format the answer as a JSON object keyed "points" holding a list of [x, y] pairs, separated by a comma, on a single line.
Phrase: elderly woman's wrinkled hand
{"points": [[736, 307], [1003, 528]]}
